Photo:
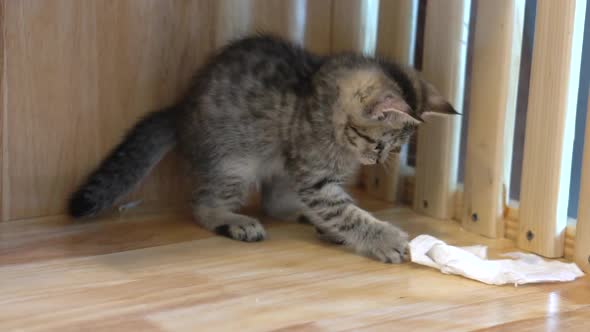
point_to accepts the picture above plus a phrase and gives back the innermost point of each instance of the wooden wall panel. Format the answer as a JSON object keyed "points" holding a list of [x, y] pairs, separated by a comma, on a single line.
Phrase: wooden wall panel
{"points": [[550, 126], [302, 21], [237, 18], [445, 41], [285, 18], [232, 19], [146, 59], [494, 85], [79, 73], [52, 128]]}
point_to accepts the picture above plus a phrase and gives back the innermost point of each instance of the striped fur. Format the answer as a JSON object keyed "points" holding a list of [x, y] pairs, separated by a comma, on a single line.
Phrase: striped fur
{"points": [[263, 112]]}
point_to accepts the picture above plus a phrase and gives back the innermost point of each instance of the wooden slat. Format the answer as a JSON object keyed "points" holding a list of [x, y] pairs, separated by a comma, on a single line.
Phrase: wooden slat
{"points": [[511, 229], [511, 217], [318, 27], [512, 210], [582, 244], [396, 30], [395, 41], [407, 190], [354, 25], [494, 85], [280, 17], [570, 245], [303, 21], [570, 240], [237, 18], [3, 215], [445, 43], [459, 203], [550, 126], [407, 194], [232, 20]]}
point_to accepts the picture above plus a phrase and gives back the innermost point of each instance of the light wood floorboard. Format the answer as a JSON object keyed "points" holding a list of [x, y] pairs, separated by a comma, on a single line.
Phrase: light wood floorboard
{"points": [[163, 273]]}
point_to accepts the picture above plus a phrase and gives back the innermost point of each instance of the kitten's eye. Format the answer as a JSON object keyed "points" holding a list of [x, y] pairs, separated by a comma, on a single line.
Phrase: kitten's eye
{"points": [[380, 146]]}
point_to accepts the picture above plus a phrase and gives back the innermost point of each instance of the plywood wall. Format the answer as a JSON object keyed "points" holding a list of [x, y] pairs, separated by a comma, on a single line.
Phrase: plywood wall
{"points": [[77, 75]]}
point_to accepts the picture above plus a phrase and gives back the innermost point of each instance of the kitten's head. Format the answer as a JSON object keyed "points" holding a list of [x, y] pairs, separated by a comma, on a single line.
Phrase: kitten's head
{"points": [[379, 105]]}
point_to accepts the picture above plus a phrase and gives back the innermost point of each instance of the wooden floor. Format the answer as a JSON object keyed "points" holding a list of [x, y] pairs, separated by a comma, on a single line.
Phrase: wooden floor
{"points": [[163, 273]]}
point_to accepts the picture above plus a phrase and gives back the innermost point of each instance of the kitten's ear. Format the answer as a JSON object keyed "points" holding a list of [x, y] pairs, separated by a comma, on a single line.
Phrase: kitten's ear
{"points": [[390, 107], [436, 103]]}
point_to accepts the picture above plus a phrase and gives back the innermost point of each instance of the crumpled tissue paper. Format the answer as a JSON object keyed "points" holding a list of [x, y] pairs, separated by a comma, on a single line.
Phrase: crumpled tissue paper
{"points": [[471, 262]]}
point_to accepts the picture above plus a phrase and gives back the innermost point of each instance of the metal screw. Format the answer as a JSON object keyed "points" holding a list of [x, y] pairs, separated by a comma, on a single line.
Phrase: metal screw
{"points": [[425, 204], [530, 235], [474, 217]]}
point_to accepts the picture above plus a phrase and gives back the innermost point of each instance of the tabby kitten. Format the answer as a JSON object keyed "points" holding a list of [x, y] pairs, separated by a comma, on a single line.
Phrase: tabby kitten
{"points": [[266, 112]]}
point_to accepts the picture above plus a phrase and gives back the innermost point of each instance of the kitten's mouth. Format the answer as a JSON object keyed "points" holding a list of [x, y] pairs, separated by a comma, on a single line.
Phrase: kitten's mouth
{"points": [[378, 160], [368, 161]]}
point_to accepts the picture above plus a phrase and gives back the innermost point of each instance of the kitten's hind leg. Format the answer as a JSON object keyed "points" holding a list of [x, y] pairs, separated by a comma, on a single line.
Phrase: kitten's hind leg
{"points": [[279, 199], [214, 204]]}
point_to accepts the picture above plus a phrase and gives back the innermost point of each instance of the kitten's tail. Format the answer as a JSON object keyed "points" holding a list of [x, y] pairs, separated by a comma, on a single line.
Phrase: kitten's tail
{"points": [[143, 147]]}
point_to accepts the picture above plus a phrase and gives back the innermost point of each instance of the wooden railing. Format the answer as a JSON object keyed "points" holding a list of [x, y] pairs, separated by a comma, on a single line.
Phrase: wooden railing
{"points": [[539, 222], [582, 229]]}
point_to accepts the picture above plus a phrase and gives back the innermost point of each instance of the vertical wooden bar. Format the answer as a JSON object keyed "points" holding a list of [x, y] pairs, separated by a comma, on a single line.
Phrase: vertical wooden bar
{"points": [[3, 213], [494, 83], [396, 41], [318, 27], [396, 30], [354, 25], [232, 20], [445, 47], [301, 21], [550, 126], [238, 18], [284, 18], [582, 244]]}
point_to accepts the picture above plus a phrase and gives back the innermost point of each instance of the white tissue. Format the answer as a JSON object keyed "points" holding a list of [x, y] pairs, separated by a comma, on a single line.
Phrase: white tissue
{"points": [[471, 262]]}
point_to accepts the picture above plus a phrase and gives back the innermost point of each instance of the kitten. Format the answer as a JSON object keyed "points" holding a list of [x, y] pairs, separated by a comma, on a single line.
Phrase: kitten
{"points": [[265, 112]]}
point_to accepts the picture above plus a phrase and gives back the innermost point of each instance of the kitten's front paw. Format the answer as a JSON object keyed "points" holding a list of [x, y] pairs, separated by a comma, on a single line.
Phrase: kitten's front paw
{"points": [[247, 232], [331, 238], [387, 243]]}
